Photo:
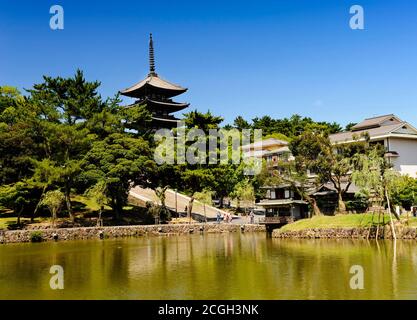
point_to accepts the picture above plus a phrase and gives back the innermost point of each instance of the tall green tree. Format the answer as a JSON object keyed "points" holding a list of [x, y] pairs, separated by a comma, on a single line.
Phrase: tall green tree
{"points": [[98, 193], [240, 123], [67, 107], [15, 197], [330, 163], [377, 180], [122, 162], [203, 121], [73, 99], [244, 193], [53, 201], [406, 193], [19, 138]]}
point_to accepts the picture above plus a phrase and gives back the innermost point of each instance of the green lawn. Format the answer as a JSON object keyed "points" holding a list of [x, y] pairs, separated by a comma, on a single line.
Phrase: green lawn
{"points": [[413, 222], [91, 205], [338, 221], [6, 221], [84, 208]]}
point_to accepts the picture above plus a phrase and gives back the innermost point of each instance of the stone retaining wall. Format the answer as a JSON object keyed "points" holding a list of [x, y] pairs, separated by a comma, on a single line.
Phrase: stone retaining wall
{"points": [[405, 233], [123, 231]]}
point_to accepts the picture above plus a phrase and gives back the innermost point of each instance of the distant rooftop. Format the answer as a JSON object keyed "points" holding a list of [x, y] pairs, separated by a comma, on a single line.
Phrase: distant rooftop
{"points": [[265, 144], [377, 122], [376, 127], [280, 150]]}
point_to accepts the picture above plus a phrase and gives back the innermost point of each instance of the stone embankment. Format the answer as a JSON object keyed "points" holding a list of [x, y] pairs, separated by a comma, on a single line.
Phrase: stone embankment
{"points": [[121, 231], [405, 233]]}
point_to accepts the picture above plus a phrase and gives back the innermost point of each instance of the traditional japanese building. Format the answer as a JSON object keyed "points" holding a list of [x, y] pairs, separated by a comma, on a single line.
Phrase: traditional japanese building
{"points": [[282, 205], [398, 137], [157, 93]]}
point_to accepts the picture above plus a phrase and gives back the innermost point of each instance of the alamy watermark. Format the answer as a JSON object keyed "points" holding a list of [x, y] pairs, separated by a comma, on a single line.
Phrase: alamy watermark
{"points": [[357, 21], [56, 22], [57, 280], [357, 281], [219, 146]]}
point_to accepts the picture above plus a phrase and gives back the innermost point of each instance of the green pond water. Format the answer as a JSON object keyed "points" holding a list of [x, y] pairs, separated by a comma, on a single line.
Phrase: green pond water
{"points": [[210, 266]]}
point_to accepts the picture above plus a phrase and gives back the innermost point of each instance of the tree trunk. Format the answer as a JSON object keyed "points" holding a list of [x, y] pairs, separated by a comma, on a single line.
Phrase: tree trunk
{"points": [[68, 202], [53, 218], [19, 213], [316, 209], [190, 208], [370, 228], [118, 208], [38, 205], [313, 203], [377, 228], [100, 221], [341, 204], [311, 200], [390, 215], [115, 206]]}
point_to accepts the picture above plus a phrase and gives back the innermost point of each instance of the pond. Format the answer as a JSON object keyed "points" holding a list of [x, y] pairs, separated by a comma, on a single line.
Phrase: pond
{"points": [[210, 266]]}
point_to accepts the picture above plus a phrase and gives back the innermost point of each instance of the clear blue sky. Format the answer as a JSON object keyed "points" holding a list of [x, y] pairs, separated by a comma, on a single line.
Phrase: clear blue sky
{"points": [[249, 58]]}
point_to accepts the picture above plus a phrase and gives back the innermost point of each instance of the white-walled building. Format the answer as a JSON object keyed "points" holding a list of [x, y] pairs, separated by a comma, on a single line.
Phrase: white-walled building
{"points": [[398, 137], [261, 149]]}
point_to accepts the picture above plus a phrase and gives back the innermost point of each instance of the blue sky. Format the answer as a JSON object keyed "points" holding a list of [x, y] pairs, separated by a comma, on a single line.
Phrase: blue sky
{"points": [[249, 58]]}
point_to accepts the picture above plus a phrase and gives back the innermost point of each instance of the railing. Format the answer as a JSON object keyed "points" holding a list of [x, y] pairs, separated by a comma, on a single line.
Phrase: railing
{"points": [[272, 164], [277, 220]]}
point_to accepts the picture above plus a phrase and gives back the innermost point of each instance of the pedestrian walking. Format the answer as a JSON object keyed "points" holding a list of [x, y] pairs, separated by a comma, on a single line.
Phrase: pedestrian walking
{"points": [[218, 216]]}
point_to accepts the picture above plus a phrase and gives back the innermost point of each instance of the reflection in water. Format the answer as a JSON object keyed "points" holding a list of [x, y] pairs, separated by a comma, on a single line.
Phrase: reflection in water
{"points": [[210, 266]]}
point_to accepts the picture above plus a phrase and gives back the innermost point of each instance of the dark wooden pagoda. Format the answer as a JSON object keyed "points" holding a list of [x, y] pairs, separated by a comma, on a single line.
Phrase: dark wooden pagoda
{"points": [[157, 93]]}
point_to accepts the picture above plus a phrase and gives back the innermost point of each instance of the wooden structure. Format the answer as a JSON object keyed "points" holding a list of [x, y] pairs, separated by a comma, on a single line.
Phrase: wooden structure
{"points": [[157, 93], [282, 206]]}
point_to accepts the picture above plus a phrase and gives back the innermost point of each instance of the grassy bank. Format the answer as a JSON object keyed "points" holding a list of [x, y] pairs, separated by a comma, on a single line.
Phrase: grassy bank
{"points": [[341, 221], [85, 210]]}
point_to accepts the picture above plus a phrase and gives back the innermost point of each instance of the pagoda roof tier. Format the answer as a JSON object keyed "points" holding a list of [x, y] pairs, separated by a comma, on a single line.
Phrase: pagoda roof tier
{"points": [[170, 122], [170, 106], [153, 84], [160, 105]]}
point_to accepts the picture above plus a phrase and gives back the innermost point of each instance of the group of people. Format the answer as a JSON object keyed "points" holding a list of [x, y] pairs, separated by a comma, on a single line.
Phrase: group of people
{"points": [[227, 217]]}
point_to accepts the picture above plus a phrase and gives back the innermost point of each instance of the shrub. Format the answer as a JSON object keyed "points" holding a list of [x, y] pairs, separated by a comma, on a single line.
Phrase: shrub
{"points": [[36, 236], [359, 205]]}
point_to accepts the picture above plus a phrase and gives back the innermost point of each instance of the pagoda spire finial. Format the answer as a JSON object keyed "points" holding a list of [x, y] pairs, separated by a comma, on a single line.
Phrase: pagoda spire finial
{"points": [[151, 56]]}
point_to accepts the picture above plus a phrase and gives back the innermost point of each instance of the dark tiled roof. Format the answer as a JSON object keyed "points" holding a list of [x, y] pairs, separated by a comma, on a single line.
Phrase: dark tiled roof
{"points": [[376, 122], [374, 132], [152, 81]]}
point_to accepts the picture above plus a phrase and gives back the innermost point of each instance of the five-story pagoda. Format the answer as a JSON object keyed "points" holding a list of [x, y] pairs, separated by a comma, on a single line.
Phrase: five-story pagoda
{"points": [[157, 93]]}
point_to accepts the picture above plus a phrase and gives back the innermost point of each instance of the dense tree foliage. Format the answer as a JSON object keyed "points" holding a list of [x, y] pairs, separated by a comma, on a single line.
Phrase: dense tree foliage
{"points": [[121, 162], [62, 139], [376, 179], [289, 127], [315, 153]]}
